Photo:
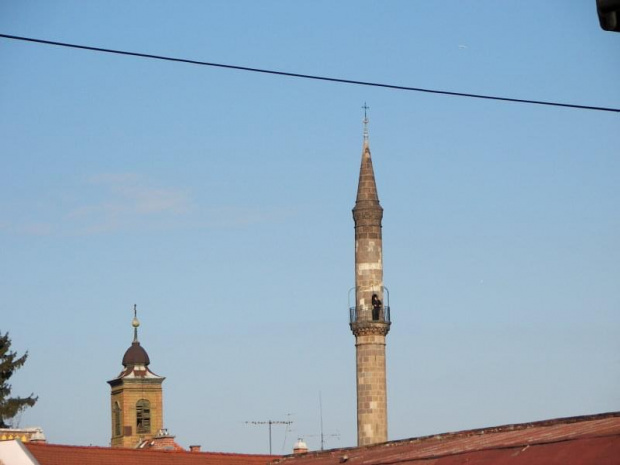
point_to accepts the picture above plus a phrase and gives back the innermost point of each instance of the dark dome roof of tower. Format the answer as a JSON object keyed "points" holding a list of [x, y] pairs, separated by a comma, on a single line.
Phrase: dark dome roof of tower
{"points": [[136, 355]]}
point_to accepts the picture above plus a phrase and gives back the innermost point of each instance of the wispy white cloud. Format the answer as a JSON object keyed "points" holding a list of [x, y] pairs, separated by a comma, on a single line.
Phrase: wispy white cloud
{"points": [[37, 229], [129, 201], [115, 202], [238, 217], [28, 229]]}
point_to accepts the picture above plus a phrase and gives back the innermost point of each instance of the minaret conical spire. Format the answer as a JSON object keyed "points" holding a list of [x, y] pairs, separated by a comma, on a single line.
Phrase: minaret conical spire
{"points": [[367, 195]]}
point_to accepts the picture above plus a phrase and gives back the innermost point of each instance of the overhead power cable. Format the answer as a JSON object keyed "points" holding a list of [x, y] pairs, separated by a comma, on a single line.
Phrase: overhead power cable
{"points": [[310, 76]]}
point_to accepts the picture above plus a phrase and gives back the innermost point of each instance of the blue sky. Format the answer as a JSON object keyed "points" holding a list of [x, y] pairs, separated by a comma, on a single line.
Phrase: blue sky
{"points": [[220, 201]]}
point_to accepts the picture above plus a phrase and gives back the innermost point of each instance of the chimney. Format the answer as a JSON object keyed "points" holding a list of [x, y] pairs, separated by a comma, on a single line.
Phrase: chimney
{"points": [[194, 448]]}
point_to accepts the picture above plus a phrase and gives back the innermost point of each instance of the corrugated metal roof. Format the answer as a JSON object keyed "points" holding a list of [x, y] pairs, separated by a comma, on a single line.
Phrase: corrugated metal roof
{"points": [[567, 441]]}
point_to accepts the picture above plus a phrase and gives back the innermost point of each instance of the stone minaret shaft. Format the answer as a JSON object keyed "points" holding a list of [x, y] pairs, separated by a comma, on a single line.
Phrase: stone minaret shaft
{"points": [[370, 320]]}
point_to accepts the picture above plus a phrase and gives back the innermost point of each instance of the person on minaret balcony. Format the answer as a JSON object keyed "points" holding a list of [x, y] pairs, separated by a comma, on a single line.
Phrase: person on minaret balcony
{"points": [[376, 307]]}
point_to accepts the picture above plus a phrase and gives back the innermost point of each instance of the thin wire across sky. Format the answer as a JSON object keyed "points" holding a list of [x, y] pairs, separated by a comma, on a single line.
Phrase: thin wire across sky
{"points": [[310, 76]]}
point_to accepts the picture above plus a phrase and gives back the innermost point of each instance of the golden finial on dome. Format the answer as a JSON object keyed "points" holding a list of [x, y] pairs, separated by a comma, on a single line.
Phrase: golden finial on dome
{"points": [[135, 323]]}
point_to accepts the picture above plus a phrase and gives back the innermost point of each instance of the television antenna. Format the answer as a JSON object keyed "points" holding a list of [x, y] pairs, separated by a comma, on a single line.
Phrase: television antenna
{"points": [[322, 435], [269, 422]]}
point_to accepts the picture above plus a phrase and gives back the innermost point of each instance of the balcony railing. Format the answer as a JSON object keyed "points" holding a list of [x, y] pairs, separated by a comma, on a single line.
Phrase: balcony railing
{"points": [[378, 314]]}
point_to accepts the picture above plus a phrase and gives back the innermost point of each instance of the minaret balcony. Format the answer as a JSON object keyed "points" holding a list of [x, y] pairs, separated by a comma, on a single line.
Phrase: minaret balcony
{"points": [[369, 314], [371, 305]]}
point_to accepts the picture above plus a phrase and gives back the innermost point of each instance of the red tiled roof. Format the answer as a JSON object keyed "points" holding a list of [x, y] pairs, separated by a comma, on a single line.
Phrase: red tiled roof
{"points": [[53, 454], [591, 439]]}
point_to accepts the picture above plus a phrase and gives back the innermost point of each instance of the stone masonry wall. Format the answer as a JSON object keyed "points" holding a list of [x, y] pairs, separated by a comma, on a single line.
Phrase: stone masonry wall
{"points": [[371, 389], [128, 396]]}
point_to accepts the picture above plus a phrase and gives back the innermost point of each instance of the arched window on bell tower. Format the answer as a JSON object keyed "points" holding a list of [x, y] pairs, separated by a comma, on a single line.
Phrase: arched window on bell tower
{"points": [[116, 419], [143, 416]]}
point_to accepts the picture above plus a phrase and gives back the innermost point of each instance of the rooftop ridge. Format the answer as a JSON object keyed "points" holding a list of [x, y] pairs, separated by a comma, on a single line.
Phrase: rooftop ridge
{"points": [[464, 434], [117, 450], [514, 427]]}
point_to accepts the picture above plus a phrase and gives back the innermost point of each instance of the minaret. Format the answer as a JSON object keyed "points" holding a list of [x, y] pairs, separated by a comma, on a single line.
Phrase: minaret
{"points": [[370, 318], [136, 397]]}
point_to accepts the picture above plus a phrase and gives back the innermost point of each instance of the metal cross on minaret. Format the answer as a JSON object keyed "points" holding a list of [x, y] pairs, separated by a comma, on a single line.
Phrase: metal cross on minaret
{"points": [[365, 107]]}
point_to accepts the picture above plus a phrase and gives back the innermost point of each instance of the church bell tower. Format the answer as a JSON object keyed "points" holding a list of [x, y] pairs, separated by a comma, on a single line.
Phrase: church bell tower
{"points": [[136, 398], [370, 317]]}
